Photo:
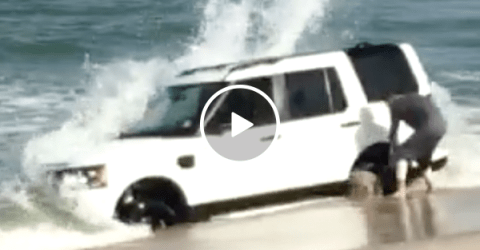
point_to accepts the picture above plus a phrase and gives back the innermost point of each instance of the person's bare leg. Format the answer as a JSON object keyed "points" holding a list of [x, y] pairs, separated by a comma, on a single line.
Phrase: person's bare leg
{"points": [[427, 175], [401, 172], [406, 220]]}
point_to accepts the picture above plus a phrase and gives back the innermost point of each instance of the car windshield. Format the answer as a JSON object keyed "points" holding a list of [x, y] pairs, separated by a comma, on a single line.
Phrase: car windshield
{"points": [[175, 111]]}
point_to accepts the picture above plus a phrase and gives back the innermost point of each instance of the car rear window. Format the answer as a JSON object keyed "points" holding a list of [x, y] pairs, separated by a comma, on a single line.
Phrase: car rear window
{"points": [[383, 70]]}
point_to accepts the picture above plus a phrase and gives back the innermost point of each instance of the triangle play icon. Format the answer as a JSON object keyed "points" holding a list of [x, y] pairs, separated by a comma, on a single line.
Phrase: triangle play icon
{"points": [[239, 124]]}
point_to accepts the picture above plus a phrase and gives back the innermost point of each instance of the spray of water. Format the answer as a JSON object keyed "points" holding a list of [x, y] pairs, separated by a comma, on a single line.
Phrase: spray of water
{"points": [[118, 97], [460, 141], [234, 31]]}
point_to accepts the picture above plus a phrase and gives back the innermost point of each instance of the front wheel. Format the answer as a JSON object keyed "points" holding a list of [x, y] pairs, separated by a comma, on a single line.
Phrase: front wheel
{"points": [[158, 204]]}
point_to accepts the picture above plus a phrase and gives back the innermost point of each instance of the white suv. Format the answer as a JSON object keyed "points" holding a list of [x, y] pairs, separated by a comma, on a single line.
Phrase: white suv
{"points": [[163, 170]]}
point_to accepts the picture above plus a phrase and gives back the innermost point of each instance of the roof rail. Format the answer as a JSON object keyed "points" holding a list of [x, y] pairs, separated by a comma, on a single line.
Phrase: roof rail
{"points": [[231, 67], [195, 70], [253, 63]]}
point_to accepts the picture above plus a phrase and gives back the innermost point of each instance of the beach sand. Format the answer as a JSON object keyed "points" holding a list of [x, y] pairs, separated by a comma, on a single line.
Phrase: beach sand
{"points": [[446, 219]]}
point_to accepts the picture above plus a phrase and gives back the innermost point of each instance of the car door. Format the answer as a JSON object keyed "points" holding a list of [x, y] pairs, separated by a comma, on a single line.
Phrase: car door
{"points": [[318, 128], [249, 177]]}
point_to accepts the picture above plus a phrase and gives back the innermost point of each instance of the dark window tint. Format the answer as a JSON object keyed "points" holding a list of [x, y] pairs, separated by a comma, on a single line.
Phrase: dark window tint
{"points": [[307, 94], [382, 69], [338, 97], [245, 103], [262, 112]]}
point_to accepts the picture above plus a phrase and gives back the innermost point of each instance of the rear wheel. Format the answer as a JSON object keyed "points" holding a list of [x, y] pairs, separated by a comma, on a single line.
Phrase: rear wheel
{"points": [[158, 202], [370, 172]]}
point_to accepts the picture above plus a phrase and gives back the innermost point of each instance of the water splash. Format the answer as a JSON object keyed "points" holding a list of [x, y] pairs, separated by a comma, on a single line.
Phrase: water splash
{"points": [[117, 98], [240, 30], [461, 142]]}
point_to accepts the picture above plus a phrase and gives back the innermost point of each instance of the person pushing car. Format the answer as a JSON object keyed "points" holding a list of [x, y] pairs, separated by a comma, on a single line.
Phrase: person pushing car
{"points": [[420, 113]]}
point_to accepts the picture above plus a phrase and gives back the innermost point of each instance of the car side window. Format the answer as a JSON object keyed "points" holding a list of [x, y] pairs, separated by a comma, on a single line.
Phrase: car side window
{"points": [[314, 93], [308, 94], [245, 103], [262, 112]]}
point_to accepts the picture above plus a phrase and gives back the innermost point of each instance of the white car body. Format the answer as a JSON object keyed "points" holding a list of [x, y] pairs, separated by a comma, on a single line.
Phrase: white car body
{"points": [[309, 152]]}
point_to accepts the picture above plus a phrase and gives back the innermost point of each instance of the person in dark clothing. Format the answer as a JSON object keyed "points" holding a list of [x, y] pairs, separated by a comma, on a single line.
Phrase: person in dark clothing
{"points": [[420, 113]]}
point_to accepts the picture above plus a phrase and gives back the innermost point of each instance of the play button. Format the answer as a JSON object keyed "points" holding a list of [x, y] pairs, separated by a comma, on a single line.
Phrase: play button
{"points": [[239, 122]]}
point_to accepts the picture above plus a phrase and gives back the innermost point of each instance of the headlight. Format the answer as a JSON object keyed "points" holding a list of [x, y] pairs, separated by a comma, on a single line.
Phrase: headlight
{"points": [[89, 176]]}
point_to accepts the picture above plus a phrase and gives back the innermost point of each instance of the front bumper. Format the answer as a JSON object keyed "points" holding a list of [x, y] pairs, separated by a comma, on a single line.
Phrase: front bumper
{"points": [[84, 190]]}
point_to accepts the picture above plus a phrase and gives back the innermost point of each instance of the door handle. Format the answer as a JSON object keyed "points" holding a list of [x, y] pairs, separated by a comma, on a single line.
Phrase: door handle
{"points": [[350, 124], [269, 138]]}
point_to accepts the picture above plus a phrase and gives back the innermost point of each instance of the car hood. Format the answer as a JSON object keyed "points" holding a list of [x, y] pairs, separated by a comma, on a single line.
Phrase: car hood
{"points": [[116, 150]]}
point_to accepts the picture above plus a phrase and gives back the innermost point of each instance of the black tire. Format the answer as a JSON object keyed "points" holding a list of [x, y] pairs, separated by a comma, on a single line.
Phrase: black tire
{"points": [[374, 160], [158, 202], [159, 214]]}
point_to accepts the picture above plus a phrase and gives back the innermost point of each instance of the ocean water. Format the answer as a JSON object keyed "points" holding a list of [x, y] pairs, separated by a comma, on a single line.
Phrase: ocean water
{"points": [[74, 72]]}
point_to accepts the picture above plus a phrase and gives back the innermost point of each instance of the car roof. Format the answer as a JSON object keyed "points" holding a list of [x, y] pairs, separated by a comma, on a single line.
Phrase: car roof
{"points": [[218, 73], [267, 65]]}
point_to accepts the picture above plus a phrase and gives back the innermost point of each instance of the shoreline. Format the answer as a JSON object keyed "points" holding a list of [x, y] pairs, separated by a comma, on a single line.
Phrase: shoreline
{"points": [[423, 222]]}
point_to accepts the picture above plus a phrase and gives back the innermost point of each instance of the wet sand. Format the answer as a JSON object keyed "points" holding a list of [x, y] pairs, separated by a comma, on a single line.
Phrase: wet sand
{"points": [[446, 219], [464, 242]]}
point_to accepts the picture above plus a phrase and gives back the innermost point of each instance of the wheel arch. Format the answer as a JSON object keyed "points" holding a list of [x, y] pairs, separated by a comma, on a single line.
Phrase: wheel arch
{"points": [[376, 153]]}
